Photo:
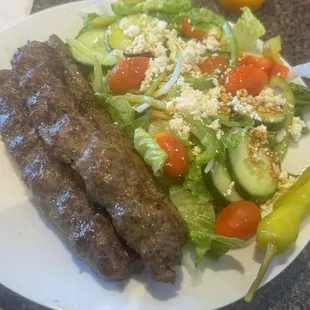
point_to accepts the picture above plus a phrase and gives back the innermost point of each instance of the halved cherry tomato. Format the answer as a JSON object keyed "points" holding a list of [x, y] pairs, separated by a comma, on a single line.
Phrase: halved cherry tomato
{"points": [[249, 77], [259, 62], [128, 74], [268, 66], [236, 5], [190, 32], [279, 70], [177, 161], [238, 220], [212, 64]]}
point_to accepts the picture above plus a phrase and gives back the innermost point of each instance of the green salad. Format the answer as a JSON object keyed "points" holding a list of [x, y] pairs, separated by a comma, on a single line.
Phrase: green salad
{"points": [[206, 106]]}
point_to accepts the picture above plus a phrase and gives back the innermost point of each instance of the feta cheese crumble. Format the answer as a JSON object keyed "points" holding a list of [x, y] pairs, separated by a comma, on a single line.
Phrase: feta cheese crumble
{"points": [[211, 43], [269, 101], [195, 103], [156, 67], [229, 190], [244, 108], [178, 126], [296, 129], [215, 125], [148, 41], [196, 150], [128, 28]]}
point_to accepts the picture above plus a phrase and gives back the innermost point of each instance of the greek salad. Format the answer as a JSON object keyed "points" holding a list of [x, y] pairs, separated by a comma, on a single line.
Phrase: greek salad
{"points": [[207, 106]]}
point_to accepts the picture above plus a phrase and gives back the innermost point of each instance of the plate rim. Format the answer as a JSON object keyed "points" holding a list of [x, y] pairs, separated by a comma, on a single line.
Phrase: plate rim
{"points": [[65, 6]]}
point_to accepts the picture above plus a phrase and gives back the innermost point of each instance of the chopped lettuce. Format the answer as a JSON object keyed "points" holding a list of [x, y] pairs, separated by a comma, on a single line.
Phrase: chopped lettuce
{"points": [[199, 83], [247, 31], [104, 96], [207, 138], [149, 150], [230, 140], [241, 121], [207, 16], [164, 6], [121, 111], [155, 84], [202, 19], [97, 84], [141, 122], [199, 216], [194, 182], [201, 16], [157, 104], [233, 137], [301, 94], [272, 49], [133, 1], [231, 41]]}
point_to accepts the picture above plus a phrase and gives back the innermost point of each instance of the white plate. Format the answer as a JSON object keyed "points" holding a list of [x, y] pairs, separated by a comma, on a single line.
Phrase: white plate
{"points": [[36, 264]]}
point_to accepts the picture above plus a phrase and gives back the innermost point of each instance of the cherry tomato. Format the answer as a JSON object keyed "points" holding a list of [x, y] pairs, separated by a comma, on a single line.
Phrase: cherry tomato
{"points": [[236, 5], [279, 70], [238, 220], [248, 77], [177, 161], [128, 74], [259, 62], [190, 32], [212, 64]]}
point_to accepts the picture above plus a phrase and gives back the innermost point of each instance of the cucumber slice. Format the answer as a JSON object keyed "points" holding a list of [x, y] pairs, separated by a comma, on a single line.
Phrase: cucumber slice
{"points": [[117, 39], [86, 56], [273, 121], [254, 180], [94, 38], [288, 110], [218, 181], [103, 20]]}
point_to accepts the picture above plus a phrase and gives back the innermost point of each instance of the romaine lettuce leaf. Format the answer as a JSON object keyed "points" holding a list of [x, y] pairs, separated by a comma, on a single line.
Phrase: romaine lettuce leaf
{"points": [[301, 94], [200, 83], [165, 6], [97, 83], [121, 111], [241, 121], [149, 150], [199, 216], [233, 137], [157, 104], [200, 16], [272, 49], [141, 122], [207, 16], [207, 138], [230, 41], [230, 140], [247, 31], [194, 182]]}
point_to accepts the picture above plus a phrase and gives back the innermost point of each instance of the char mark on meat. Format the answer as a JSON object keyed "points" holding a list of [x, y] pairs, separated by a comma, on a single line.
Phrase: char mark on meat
{"points": [[90, 235]]}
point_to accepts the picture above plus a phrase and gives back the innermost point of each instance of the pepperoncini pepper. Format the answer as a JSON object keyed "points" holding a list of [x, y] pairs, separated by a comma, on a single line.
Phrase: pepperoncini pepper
{"points": [[280, 229]]}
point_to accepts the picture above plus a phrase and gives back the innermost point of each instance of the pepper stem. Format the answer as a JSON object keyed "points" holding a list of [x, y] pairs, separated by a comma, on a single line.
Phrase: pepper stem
{"points": [[270, 253]]}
